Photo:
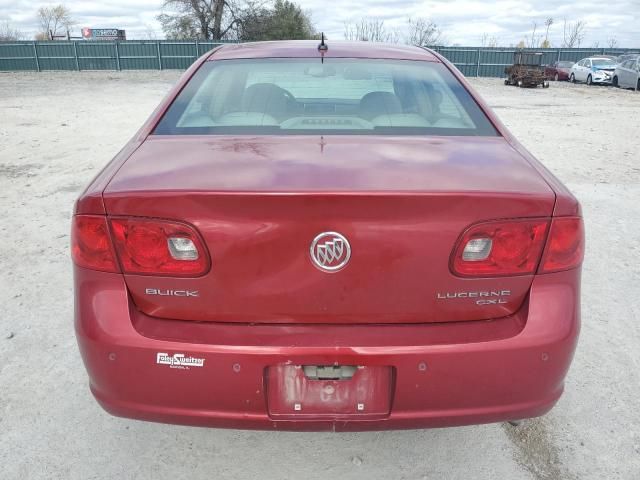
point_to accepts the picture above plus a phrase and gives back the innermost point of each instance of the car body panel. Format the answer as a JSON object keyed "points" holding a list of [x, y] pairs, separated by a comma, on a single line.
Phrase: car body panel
{"points": [[445, 374], [318, 164], [627, 74], [275, 194], [309, 48]]}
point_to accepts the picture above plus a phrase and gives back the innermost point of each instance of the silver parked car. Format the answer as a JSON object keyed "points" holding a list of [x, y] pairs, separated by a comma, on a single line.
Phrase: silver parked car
{"points": [[627, 56], [593, 70], [627, 74]]}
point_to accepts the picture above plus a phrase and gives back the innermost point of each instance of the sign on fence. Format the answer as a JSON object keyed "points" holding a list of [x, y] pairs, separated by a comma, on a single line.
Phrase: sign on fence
{"points": [[103, 34]]}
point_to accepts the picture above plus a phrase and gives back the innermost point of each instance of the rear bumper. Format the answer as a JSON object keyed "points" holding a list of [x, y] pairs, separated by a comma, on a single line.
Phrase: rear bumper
{"points": [[444, 374]]}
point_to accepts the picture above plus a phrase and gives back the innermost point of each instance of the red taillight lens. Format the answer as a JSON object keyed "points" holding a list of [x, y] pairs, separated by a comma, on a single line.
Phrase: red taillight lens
{"points": [[565, 247], [159, 247], [511, 247], [91, 244]]}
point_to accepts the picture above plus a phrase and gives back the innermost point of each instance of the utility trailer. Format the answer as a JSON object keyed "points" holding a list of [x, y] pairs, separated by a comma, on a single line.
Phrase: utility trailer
{"points": [[527, 70]]}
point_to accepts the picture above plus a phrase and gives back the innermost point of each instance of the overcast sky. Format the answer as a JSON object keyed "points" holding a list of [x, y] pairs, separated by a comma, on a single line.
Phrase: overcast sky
{"points": [[463, 21]]}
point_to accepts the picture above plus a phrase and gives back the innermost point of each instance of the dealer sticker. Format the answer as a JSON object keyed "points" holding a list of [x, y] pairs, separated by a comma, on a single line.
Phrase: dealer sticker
{"points": [[179, 360]]}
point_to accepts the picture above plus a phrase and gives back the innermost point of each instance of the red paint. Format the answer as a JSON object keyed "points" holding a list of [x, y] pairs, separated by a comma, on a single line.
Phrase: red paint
{"points": [[437, 356]]}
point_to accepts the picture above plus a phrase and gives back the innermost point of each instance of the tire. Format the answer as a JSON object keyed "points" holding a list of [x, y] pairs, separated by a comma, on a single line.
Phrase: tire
{"points": [[638, 86], [589, 80], [614, 82], [519, 83], [572, 78], [556, 77]]}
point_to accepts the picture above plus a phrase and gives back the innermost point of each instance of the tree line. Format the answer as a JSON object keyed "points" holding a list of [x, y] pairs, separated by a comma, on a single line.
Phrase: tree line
{"points": [[235, 20], [258, 20]]}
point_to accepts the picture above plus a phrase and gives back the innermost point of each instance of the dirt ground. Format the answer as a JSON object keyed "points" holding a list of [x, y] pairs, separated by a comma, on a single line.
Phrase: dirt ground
{"points": [[58, 129]]}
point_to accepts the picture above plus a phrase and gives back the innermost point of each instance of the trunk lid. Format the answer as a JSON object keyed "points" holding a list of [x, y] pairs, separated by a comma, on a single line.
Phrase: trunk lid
{"points": [[259, 203]]}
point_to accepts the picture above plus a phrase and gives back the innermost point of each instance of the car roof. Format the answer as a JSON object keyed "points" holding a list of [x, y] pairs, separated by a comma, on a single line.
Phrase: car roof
{"points": [[309, 49]]}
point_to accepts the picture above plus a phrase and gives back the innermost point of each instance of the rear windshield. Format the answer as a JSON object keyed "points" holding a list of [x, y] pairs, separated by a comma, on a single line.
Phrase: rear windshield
{"points": [[339, 96]]}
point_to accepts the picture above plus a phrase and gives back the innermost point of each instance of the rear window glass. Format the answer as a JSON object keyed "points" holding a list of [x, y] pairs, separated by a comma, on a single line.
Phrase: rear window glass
{"points": [[339, 96]]}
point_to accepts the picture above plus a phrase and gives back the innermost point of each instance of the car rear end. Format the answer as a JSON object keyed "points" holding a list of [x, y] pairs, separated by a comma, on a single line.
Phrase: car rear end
{"points": [[334, 265]]}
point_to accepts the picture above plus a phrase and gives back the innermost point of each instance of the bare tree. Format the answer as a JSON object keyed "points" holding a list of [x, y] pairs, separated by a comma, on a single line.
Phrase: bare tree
{"points": [[206, 19], [573, 33], [9, 33], [149, 32], [370, 30], [488, 41], [282, 20], [532, 42], [422, 32], [54, 20], [612, 42], [547, 23]]}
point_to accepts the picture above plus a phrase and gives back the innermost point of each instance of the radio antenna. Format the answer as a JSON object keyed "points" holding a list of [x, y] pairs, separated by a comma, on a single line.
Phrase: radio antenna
{"points": [[323, 47]]}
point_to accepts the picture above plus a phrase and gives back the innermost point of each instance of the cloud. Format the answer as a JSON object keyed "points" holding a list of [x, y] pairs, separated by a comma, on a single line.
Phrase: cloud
{"points": [[463, 21]]}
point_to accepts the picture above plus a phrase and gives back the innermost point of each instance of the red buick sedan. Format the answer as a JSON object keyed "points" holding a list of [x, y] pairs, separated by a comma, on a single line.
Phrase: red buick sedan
{"points": [[341, 237]]}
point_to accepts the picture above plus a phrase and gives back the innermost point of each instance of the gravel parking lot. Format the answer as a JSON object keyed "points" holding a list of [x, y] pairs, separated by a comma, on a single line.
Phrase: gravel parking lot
{"points": [[58, 129]]}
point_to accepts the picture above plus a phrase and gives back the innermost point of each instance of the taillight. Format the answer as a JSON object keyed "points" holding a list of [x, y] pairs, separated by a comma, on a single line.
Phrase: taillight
{"points": [[507, 247], [91, 244], [159, 247], [565, 246]]}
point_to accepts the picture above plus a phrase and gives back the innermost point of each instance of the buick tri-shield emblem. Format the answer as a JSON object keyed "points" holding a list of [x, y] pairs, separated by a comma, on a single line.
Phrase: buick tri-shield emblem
{"points": [[330, 251]]}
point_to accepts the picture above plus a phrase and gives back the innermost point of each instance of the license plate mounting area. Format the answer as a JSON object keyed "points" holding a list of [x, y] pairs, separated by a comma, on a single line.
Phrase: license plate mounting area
{"points": [[317, 392]]}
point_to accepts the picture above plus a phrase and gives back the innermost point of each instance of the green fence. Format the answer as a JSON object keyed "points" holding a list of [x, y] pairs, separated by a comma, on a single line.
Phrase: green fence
{"points": [[101, 55], [490, 62], [165, 54]]}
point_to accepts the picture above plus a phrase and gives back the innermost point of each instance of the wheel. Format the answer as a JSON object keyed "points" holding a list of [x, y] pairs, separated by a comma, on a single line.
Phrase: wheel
{"points": [[572, 78], [556, 77], [614, 82], [519, 83], [545, 85], [506, 81], [589, 80]]}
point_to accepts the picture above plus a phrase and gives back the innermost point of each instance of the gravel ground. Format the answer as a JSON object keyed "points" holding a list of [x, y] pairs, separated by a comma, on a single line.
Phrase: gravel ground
{"points": [[58, 129]]}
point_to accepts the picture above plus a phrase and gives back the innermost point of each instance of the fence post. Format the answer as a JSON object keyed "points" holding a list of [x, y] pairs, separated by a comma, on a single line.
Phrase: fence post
{"points": [[197, 49], [35, 55], [559, 52], [478, 65], [75, 55], [117, 56], [159, 57]]}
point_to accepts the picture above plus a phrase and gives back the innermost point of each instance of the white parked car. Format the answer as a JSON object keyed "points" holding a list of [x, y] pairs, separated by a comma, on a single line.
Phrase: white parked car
{"points": [[627, 74], [593, 70]]}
